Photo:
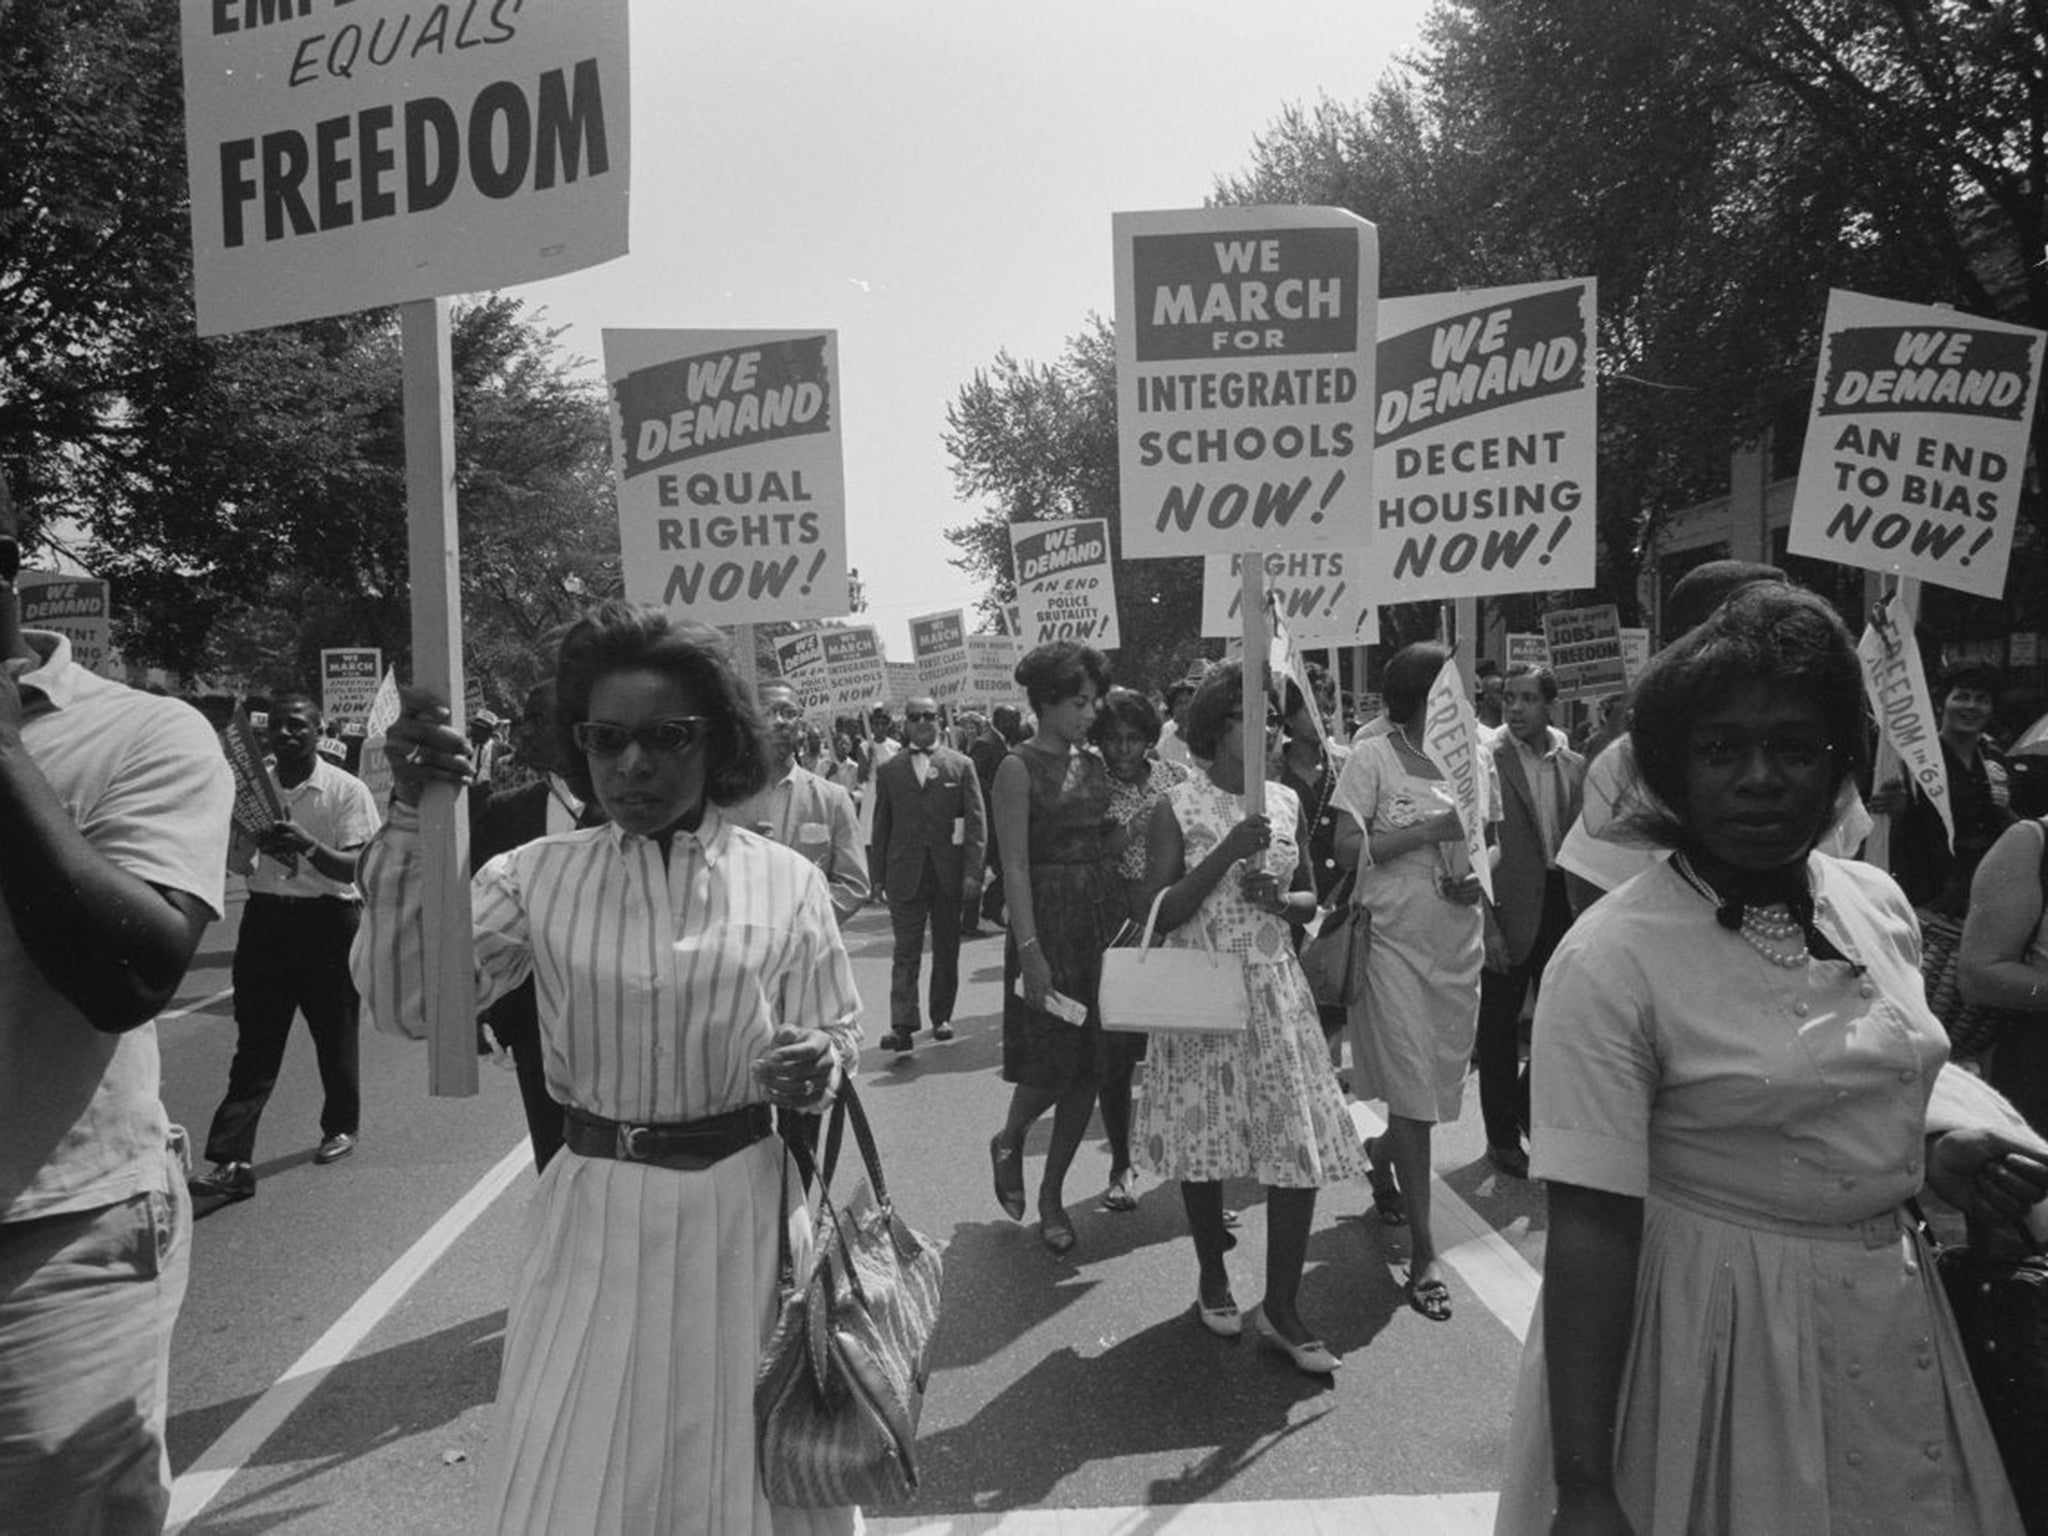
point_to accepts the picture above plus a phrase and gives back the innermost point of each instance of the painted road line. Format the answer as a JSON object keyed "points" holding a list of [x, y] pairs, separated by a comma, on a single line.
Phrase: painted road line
{"points": [[1487, 1262], [199, 1007], [1442, 1514], [202, 1482]]}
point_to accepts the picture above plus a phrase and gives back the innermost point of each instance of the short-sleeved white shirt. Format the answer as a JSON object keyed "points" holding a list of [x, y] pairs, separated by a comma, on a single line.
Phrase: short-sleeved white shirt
{"points": [[144, 778], [334, 806]]}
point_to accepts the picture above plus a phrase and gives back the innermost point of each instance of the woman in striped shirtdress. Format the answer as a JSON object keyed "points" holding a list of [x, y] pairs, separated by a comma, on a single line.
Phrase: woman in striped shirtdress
{"points": [[689, 974]]}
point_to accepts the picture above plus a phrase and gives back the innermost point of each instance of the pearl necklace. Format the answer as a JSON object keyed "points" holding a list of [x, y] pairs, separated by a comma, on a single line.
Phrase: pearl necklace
{"points": [[1762, 927]]}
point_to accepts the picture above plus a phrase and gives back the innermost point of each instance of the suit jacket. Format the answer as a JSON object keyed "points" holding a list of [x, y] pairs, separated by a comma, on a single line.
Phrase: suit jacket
{"points": [[944, 817], [1523, 868], [815, 817]]}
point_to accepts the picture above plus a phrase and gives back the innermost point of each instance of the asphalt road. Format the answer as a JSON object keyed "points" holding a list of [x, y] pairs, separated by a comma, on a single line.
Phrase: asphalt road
{"points": [[339, 1346]]}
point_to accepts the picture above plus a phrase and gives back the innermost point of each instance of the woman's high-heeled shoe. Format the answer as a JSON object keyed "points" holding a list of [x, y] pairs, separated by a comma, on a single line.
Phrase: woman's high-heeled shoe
{"points": [[1006, 1165]]}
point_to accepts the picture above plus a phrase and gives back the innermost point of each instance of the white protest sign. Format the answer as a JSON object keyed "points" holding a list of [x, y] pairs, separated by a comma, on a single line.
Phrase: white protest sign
{"points": [[1897, 686], [1916, 446], [1450, 739], [1635, 653], [1064, 587], [80, 608], [1244, 379], [939, 643], [348, 682], [903, 684], [1485, 436], [342, 156], [726, 449], [800, 662], [373, 768], [854, 669], [1585, 651], [1316, 593], [992, 662]]}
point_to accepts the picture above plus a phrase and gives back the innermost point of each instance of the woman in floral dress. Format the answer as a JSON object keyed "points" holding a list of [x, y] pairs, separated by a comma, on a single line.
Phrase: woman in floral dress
{"points": [[1262, 1104]]}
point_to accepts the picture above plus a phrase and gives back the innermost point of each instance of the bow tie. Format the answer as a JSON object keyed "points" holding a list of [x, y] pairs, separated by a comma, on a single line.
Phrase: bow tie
{"points": [[920, 751]]}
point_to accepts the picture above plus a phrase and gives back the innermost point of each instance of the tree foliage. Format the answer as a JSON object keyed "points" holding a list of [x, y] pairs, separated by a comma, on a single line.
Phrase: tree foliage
{"points": [[1039, 440]]}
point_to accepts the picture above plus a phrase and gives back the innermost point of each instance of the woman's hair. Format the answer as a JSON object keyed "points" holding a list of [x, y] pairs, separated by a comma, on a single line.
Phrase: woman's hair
{"points": [[1126, 709], [1404, 686], [618, 636], [1057, 670], [1766, 633], [1219, 693]]}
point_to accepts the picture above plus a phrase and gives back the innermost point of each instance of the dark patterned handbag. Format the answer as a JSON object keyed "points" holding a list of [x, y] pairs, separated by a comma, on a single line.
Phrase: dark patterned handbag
{"points": [[2001, 1310], [842, 1377], [1334, 960]]}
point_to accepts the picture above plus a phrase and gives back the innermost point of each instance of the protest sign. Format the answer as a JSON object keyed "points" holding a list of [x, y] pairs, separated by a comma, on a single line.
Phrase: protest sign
{"points": [[1064, 587], [939, 642], [341, 157], [1244, 379], [902, 685], [80, 608], [854, 669], [1585, 651], [348, 682], [1916, 446], [1484, 432], [373, 768], [726, 453], [1316, 593], [1529, 648], [1896, 684], [800, 662], [1450, 739], [992, 670], [1635, 653], [257, 807]]}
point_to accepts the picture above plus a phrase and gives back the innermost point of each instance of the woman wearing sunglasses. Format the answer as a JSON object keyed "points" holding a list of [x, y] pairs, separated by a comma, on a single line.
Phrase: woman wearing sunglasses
{"points": [[689, 975]]}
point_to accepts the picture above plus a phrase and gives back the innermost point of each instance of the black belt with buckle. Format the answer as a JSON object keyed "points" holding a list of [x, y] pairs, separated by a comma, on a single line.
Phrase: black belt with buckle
{"points": [[690, 1145]]}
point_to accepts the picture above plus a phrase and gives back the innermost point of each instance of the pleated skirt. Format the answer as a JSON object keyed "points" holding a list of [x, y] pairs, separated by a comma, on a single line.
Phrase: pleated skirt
{"points": [[626, 1403]]}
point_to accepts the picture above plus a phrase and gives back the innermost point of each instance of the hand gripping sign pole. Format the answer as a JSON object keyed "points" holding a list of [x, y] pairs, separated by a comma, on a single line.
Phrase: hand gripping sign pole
{"points": [[437, 663], [1252, 608]]}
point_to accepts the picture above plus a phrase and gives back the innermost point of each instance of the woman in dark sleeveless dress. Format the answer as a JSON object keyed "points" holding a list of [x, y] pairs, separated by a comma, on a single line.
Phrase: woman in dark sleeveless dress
{"points": [[1052, 822]]}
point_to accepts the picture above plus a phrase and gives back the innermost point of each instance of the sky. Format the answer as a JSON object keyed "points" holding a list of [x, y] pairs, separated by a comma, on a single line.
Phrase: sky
{"points": [[934, 179]]}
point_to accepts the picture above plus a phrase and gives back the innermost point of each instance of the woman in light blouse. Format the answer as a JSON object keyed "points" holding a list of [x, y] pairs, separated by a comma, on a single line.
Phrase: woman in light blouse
{"points": [[689, 975]]}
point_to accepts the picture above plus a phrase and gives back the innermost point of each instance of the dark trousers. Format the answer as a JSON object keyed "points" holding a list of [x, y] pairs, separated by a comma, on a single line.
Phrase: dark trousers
{"points": [[1503, 1083], [992, 876], [909, 916], [292, 957], [515, 1020]]}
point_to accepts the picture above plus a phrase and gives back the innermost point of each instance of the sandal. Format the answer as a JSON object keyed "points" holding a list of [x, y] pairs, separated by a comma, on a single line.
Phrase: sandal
{"points": [[1431, 1297], [1118, 1196], [1386, 1194], [1009, 1177]]}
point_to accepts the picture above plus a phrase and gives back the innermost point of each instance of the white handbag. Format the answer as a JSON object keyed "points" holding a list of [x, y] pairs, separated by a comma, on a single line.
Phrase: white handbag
{"points": [[1199, 991]]}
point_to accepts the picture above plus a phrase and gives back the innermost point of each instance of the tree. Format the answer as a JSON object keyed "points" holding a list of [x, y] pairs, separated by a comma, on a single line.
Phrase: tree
{"points": [[1040, 440]]}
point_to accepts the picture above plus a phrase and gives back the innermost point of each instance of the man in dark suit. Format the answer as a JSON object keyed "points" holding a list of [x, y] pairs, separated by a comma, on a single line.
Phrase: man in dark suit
{"points": [[930, 829], [498, 823], [1540, 779]]}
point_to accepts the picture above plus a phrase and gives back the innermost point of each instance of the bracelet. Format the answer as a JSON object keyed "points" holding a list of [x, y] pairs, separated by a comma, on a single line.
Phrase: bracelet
{"points": [[1030, 943]]}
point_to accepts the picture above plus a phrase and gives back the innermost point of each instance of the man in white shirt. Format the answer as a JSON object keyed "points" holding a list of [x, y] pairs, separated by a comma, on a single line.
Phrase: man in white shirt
{"points": [[292, 953], [802, 811]]}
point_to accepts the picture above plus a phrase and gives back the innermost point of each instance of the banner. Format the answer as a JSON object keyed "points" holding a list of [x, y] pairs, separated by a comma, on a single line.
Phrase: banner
{"points": [[1916, 446], [1450, 739], [992, 662], [1585, 651], [800, 662], [1897, 687], [1316, 593], [1244, 378], [80, 608], [854, 668], [348, 683], [373, 768], [1064, 587], [939, 643], [1485, 442], [343, 156], [726, 451]]}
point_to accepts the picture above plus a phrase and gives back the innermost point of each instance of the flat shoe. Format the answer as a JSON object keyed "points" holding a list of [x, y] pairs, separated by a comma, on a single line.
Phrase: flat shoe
{"points": [[1312, 1358], [1226, 1322], [1510, 1160], [1009, 1178], [1431, 1297], [1118, 1197], [1386, 1194], [1056, 1232], [942, 1032]]}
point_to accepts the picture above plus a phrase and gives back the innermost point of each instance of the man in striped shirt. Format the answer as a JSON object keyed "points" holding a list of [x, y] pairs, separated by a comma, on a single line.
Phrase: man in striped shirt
{"points": [[802, 811]]}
